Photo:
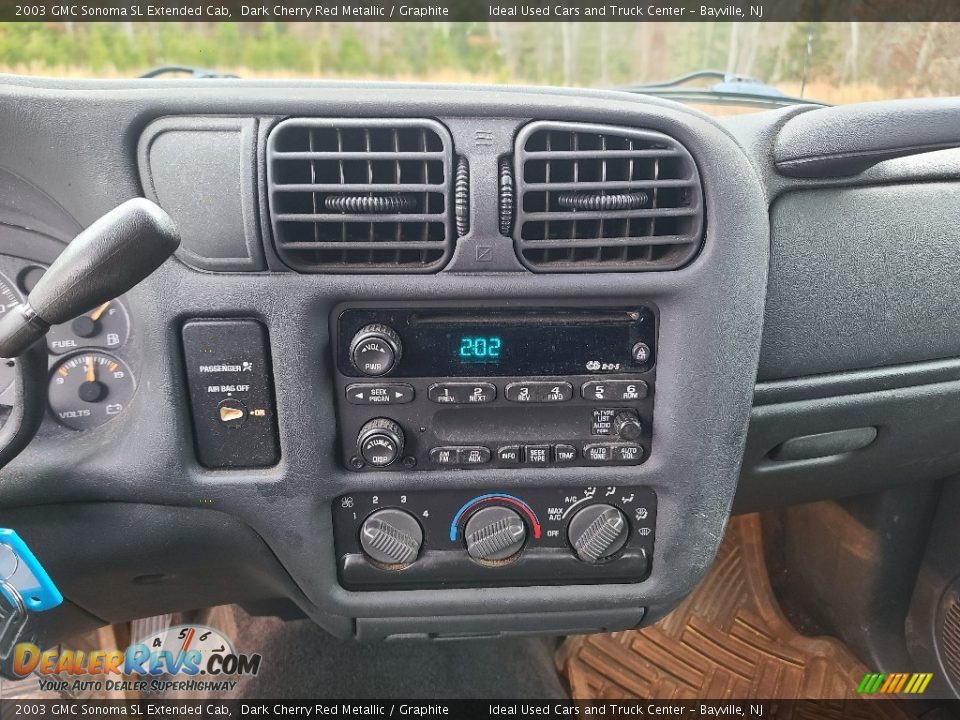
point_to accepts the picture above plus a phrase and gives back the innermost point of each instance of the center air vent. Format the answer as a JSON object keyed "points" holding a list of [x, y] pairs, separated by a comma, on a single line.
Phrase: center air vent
{"points": [[361, 195], [602, 198]]}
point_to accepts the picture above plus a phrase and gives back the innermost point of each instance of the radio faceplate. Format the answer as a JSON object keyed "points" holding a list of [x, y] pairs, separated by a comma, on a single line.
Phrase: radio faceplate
{"points": [[435, 389]]}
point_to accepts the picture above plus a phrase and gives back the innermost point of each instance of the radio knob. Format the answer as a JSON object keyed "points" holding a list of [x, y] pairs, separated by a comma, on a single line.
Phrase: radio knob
{"points": [[391, 537], [495, 533], [597, 532], [375, 350], [380, 442], [627, 425]]}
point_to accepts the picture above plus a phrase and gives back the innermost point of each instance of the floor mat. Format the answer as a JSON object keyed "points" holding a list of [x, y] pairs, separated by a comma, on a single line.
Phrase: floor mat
{"points": [[728, 639]]}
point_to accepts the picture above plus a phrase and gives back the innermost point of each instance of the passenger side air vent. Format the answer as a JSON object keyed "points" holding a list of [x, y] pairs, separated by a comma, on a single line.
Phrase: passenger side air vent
{"points": [[361, 195], [601, 198]]}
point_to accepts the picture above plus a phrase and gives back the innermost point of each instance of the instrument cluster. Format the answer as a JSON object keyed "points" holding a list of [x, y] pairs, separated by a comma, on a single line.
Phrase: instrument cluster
{"points": [[91, 381]]}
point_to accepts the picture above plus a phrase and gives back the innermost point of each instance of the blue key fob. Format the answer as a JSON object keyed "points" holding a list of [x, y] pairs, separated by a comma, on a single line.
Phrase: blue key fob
{"points": [[20, 569]]}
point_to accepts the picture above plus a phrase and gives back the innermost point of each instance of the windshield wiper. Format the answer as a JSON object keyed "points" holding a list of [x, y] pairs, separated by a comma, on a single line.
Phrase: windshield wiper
{"points": [[195, 72], [733, 89]]}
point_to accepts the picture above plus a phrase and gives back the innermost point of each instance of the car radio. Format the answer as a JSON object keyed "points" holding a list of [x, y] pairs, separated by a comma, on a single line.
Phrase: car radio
{"points": [[448, 388]]}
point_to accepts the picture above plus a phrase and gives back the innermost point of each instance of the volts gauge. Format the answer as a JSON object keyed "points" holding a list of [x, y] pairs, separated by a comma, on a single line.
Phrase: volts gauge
{"points": [[89, 389]]}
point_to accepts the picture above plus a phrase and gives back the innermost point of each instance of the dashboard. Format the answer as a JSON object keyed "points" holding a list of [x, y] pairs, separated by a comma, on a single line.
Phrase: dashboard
{"points": [[448, 361]]}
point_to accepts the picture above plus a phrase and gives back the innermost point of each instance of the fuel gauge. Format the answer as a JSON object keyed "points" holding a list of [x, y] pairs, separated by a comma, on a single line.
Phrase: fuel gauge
{"points": [[89, 389], [106, 326]]}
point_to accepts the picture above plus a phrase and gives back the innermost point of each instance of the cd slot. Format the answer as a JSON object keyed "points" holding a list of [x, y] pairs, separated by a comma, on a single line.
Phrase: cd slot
{"points": [[526, 317]]}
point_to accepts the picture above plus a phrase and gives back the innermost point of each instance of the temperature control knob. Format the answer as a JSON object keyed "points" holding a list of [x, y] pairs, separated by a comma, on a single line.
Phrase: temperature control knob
{"points": [[627, 425], [495, 533], [391, 537], [380, 442], [597, 532], [375, 350]]}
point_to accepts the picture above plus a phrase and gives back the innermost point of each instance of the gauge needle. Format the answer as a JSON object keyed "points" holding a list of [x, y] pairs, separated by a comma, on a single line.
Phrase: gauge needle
{"points": [[95, 315], [91, 373]]}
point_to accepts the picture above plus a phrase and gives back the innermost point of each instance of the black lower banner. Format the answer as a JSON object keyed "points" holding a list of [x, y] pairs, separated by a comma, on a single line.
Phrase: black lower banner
{"points": [[462, 709]]}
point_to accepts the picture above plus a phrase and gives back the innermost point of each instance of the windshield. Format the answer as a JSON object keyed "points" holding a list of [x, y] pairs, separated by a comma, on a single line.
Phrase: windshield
{"points": [[831, 62]]}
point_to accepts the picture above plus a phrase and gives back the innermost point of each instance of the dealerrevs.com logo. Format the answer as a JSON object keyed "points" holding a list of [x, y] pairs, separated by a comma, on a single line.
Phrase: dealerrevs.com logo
{"points": [[185, 658], [894, 683]]}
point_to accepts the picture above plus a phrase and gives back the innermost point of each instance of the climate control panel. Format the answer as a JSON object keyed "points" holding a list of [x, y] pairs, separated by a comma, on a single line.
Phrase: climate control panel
{"points": [[458, 538], [442, 389]]}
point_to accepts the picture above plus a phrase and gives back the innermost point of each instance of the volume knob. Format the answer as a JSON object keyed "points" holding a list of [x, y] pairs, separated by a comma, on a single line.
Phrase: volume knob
{"points": [[495, 533], [375, 349], [380, 442], [391, 537], [597, 532]]}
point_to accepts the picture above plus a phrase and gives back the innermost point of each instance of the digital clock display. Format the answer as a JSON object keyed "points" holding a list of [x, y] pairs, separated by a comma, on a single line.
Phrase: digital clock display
{"points": [[479, 348]]}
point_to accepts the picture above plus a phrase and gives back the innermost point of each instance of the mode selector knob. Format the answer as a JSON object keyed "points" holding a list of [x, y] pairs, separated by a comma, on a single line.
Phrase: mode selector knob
{"points": [[495, 533], [627, 425], [380, 442], [375, 350], [391, 537], [597, 532]]}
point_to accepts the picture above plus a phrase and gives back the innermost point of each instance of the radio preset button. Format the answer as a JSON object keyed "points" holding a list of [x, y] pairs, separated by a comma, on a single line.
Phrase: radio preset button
{"points": [[539, 391], [564, 453], [379, 394], [460, 393], [509, 454], [617, 390]]}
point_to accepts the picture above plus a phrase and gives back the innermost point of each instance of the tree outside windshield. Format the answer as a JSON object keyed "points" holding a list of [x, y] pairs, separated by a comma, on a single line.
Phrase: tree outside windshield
{"points": [[832, 62]]}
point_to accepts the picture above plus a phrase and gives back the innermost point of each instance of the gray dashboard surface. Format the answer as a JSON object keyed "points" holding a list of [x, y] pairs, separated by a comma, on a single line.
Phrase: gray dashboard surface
{"points": [[710, 312], [862, 277]]}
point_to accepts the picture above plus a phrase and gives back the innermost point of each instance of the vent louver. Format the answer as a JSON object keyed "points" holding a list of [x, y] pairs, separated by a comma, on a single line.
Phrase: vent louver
{"points": [[361, 195], [600, 198]]}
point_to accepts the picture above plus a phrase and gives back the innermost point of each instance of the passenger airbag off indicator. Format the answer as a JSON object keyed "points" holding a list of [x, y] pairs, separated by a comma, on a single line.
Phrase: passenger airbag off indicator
{"points": [[231, 393]]}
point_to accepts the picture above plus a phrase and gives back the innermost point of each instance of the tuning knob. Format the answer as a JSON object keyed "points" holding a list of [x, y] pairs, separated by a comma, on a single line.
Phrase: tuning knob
{"points": [[597, 532], [495, 533], [375, 349], [380, 442], [627, 425], [391, 537]]}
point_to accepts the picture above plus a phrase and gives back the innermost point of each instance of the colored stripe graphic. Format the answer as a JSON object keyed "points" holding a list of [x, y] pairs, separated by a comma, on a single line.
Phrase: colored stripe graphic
{"points": [[894, 683]]}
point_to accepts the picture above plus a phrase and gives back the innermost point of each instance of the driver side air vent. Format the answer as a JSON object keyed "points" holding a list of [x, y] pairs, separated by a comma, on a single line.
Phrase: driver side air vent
{"points": [[599, 198], [361, 195]]}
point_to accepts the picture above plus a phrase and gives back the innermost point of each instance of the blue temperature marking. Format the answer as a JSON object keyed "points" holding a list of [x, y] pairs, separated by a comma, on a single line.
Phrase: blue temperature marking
{"points": [[20, 568]]}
